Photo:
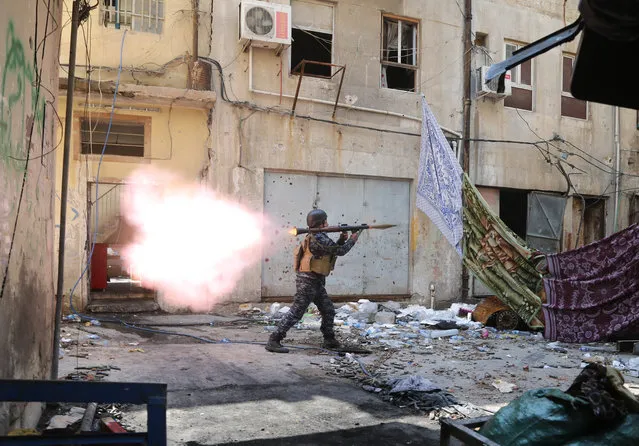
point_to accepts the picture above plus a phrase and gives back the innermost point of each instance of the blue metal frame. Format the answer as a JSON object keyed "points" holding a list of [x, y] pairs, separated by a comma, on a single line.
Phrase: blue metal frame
{"points": [[153, 395]]}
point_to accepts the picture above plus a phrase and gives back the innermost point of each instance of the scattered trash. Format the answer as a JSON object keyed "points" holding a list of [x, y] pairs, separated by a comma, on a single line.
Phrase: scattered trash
{"points": [[134, 343], [597, 348], [93, 336], [385, 317], [504, 386], [64, 421], [275, 308], [444, 333], [366, 306], [555, 347], [95, 322], [136, 350], [413, 383], [72, 317]]}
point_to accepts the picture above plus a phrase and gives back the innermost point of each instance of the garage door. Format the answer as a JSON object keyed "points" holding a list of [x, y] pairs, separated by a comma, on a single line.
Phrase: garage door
{"points": [[377, 265]]}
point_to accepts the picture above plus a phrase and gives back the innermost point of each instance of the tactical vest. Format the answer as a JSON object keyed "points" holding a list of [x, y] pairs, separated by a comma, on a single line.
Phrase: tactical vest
{"points": [[305, 262]]}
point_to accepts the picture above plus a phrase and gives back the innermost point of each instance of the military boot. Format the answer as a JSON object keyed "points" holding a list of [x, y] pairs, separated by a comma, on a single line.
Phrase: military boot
{"points": [[274, 344], [331, 344]]}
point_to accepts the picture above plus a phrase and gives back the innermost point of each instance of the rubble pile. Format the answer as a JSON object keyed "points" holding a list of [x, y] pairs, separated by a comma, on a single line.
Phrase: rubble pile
{"points": [[391, 325], [392, 383]]}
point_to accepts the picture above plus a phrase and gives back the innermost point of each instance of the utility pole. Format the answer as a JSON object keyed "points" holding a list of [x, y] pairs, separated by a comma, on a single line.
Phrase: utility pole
{"points": [[68, 126], [467, 65]]}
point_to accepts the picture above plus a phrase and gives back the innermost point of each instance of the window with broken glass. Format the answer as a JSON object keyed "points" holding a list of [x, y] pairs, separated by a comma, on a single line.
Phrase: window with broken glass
{"points": [[312, 33], [400, 55], [137, 15]]}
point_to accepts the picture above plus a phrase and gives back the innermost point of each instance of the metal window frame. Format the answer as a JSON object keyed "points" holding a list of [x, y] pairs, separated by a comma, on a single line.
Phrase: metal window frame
{"points": [[119, 118], [416, 42], [568, 94], [149, 23], [517, 69]]}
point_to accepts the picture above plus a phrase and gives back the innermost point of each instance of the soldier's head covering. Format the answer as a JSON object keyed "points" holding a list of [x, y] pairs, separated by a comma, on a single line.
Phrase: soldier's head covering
{"points": [[315, 218]]}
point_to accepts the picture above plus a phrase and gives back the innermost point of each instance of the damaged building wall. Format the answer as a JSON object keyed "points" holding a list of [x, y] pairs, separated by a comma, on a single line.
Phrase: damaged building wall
{"points": [[27, 129], [584, 145], [251, 146], [153, 92]]}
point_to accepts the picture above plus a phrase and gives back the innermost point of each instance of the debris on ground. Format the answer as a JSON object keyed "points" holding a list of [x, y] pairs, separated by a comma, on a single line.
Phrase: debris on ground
{"points": [[90, 373], [67, 420], [504, 386]]}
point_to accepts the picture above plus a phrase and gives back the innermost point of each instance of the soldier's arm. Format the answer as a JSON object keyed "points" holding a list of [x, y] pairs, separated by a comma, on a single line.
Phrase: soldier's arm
{"points": [[321, 245]]}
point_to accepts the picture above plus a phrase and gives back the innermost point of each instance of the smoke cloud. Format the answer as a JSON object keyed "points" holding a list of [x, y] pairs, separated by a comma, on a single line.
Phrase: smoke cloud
{"points": [[191, 244]]}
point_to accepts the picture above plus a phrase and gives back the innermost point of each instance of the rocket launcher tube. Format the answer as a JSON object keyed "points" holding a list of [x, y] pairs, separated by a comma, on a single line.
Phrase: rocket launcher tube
{"points": [[341, 228]]}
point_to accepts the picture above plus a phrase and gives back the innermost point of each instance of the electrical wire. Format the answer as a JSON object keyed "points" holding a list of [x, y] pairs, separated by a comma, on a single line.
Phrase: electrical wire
{"points": [[115, 93], [25, 174]]}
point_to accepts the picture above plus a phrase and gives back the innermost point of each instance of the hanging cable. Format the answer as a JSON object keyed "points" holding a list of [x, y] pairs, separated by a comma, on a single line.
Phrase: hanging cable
{"points": [[25, 174]]}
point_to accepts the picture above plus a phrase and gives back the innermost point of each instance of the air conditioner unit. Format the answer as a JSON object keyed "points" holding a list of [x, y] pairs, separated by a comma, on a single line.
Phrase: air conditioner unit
{"points": [[491, 90], [265, 25]]}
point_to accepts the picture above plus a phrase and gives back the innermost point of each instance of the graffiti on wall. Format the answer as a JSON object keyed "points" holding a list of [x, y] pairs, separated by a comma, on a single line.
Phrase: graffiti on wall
{"points": [[21, 104]]}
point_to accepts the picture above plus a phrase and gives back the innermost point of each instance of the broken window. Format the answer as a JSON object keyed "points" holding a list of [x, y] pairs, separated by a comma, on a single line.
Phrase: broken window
{"points": [[513, 210], [570, 106], [536, 217], [589, 220], [399, 53], [139, 15], [482, 55], [545, 222], [312, 34], [521, 80], [125, 138]]}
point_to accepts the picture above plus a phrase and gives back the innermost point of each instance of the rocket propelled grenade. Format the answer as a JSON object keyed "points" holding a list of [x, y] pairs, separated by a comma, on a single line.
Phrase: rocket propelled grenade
{"points": [[340, 228]]}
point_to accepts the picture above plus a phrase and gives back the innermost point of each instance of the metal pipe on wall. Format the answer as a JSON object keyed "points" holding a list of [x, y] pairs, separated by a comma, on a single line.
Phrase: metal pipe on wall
{"points": [[190, 81], [615, 223], [468, 45], [68, 126]]}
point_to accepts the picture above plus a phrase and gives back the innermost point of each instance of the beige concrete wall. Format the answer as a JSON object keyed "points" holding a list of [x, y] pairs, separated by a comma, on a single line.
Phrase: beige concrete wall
{"points": [[148, 58], [178, 134], [27, 305], [524, 167], [247, 142], [178, 143]]}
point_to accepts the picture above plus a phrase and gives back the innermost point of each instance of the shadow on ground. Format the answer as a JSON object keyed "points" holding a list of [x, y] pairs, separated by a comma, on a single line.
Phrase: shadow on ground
{"points": [[380, 434]]}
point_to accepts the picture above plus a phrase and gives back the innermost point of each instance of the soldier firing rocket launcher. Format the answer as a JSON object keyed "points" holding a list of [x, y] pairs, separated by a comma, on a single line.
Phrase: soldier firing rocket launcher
{"points": [[340, 228]]}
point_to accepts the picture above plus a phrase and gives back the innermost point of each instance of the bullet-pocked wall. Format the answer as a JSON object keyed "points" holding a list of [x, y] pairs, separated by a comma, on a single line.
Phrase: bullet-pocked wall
{"points": [[29, 38], [374, 135], [579, 136]]}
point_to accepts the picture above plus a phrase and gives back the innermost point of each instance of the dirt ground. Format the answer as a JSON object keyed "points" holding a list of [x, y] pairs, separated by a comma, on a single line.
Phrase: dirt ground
{"points": [[231, 390]]}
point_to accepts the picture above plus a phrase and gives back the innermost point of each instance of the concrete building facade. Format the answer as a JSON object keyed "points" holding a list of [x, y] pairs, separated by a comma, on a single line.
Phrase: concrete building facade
{"points": [[345, 135]]}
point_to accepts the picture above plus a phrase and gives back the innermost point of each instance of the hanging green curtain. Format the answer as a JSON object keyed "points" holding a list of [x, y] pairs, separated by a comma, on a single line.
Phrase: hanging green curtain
{"points": [[500, 258]]}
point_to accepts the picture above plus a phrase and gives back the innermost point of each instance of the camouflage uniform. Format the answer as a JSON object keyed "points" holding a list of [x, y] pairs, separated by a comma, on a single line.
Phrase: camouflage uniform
{"points": [[310, 288]]}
